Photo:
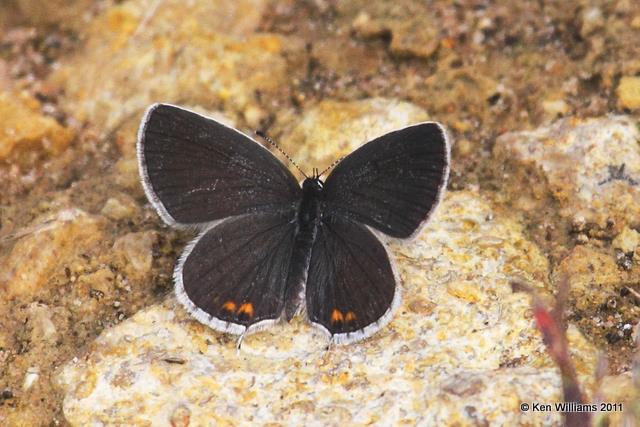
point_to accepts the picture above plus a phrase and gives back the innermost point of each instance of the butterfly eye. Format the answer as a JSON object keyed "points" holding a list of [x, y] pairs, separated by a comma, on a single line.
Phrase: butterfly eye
{"points": [[313, 185]]}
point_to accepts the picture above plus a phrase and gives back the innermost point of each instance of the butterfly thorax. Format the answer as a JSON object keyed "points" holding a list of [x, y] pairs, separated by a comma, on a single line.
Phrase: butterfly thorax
{"points": [[307, 221], [309, 209]]}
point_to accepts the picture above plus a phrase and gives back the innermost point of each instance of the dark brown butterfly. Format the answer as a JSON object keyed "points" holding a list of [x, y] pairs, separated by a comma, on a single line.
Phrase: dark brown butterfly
{"points": [[269, 248]]}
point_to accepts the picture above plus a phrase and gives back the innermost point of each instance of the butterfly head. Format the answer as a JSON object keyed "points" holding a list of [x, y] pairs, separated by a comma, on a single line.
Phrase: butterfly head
{"points": [[312, 185]]}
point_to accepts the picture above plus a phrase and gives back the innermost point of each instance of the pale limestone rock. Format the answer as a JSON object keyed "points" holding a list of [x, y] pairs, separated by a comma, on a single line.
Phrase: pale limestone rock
{"points": [[127, 175], [43, 247], [136, 54], [136, 249], [591, 166], [627, 241], [120, 207], [41, 323], [31, 376], [555, 107], [447, 357], [411, 25], [592, 21]]}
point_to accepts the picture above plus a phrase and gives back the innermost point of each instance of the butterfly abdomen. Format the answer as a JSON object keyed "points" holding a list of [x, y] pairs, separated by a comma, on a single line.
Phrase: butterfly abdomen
{"points": [[308, 218]]}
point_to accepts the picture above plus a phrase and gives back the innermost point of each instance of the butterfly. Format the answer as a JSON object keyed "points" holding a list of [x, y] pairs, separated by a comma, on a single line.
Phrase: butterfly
{"points": [[269, 248]]}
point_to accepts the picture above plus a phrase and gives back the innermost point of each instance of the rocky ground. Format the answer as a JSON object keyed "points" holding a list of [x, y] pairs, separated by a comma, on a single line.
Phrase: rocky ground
{"points": [[540, 98]]}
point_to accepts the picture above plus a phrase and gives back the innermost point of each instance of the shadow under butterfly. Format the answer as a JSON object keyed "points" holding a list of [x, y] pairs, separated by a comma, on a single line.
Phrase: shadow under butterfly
{"points": [[269, 248]]}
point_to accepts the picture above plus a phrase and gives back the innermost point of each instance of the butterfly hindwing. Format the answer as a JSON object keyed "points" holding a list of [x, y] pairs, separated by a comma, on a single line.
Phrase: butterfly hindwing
{"points": [[196, 170], [351, 286], [394, 182], [233, 275]]}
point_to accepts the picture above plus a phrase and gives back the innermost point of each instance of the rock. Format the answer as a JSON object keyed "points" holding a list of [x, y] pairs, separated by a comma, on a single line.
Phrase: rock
{"points": [[24, 130], [463, 147], [120, 207], [592, 21], [31, 376], [66, 13], [127, 176], [41, 323], [590, 166], [627, 241], [412, 27], [629, 92], [44, 247], [593, 274], [366, 27], [415, 37], [555, 107], [200, 53], [254, 116], [461, 349], [136, 251], [346, 125]]}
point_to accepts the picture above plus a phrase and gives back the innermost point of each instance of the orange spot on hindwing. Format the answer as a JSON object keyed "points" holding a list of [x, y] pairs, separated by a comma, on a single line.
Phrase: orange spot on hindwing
{"points": [[229, 306], [336, 316], [246, 310], [350, 317]]}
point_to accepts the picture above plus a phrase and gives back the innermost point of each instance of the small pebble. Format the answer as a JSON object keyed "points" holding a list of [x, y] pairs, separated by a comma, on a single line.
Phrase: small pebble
{"points": [[582, 239], [32, 375], [579, 223], [629, 92]]}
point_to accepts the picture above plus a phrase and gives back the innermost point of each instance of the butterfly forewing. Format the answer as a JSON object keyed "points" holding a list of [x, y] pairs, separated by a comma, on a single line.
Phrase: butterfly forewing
{"points": [[233, 276], [351, 287], [394, 182], [196, 170]]}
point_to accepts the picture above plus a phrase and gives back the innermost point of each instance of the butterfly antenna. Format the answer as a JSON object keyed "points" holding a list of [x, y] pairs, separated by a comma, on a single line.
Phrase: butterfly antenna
{"points": [[331, 165], [272, 142]]}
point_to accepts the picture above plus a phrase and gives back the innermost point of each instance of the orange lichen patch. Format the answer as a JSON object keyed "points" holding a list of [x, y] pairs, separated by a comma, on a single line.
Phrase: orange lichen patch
{"points": [[24, 130], [448, 43], [350, 317], [336, 316], [229, 306], [246, 308], [270, 43]]}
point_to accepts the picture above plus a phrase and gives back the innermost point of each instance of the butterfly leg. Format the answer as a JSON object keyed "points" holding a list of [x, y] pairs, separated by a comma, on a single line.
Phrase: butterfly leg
{"points": [[239, 342]]}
